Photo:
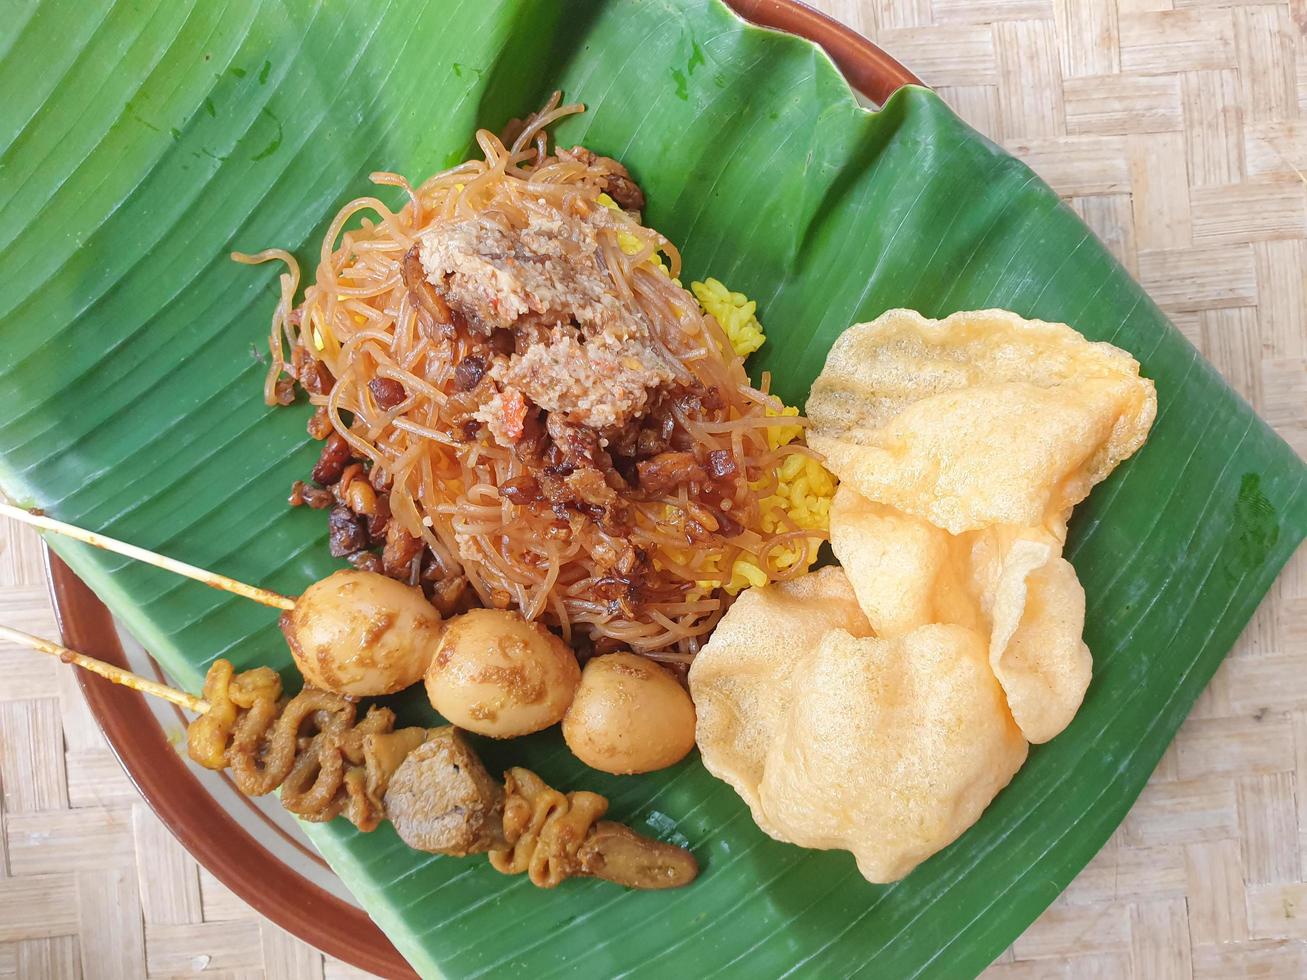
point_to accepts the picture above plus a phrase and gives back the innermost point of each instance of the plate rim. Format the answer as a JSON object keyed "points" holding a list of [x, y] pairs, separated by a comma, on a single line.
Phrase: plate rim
{"points": [[158, 772], [206, 830]]}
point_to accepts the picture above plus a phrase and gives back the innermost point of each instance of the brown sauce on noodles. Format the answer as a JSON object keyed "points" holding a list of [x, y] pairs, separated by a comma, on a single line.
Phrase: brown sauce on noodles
{"points": [[546, 418]]}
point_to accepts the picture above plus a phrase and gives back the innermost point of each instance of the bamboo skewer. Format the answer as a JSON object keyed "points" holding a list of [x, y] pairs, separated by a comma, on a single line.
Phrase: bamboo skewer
{"points": [[265, 596], [108, 671]]}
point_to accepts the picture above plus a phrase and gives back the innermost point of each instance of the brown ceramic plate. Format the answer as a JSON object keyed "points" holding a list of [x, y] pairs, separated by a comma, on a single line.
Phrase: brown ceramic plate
{"points": [[253, 849]]}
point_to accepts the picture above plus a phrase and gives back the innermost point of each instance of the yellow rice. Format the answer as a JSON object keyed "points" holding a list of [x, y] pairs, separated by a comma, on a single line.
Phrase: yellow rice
{"points": [[804, 487]]}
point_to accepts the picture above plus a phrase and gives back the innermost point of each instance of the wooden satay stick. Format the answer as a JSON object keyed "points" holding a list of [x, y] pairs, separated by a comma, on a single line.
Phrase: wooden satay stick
{"points": [[268, 598], [116, 674]]}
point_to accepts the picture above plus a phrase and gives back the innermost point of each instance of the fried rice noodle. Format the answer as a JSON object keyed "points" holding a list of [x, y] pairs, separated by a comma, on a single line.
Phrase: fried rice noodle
{"points": [[358, 319]]}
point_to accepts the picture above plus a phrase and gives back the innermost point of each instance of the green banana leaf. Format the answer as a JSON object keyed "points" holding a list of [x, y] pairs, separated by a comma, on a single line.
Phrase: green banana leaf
{"points": [[143, 141]]}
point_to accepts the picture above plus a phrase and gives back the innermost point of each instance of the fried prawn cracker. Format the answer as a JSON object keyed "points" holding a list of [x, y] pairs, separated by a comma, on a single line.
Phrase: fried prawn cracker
{"points": [[891, 749], [1008, 584], [741, 682], [962, 446], [905, 571], [888, 748], [979, 419], [1035, 646]]}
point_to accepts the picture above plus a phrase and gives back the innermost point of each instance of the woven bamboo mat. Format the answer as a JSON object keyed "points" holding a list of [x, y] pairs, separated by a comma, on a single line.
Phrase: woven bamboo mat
{"points": [[1173, 127]]}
